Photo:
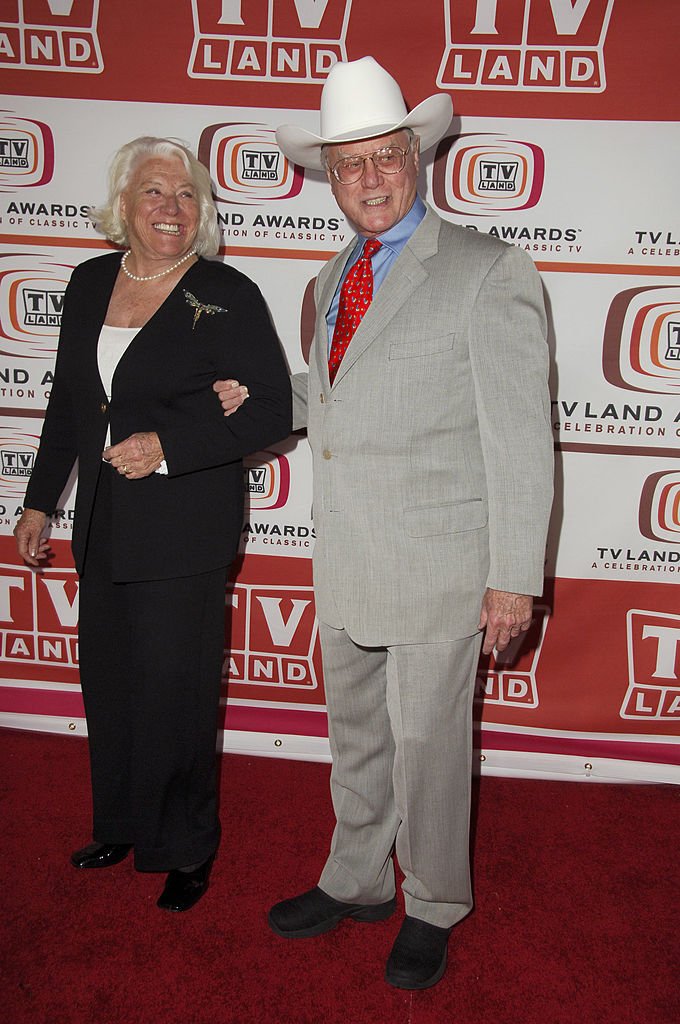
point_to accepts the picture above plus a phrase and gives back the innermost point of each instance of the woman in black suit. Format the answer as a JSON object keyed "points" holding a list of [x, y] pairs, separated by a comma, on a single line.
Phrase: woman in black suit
{"points": [[159, 506]]}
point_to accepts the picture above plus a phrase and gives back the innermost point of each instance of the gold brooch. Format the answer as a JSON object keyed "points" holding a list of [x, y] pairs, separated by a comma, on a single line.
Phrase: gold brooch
{"points": [[201, 307]]}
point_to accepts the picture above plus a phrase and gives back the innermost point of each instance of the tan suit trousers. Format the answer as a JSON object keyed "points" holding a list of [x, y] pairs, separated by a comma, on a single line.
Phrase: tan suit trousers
{"points": [[400, 723]]}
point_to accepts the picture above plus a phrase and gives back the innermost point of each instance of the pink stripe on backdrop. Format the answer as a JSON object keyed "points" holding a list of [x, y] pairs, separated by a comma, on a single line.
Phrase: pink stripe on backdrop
{"points": [[622, 750], [69, 704], [31, 701], [276, 720]]}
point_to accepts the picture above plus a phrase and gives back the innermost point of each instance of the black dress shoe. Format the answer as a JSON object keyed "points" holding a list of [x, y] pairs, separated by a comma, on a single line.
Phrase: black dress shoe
{"points": [[418, 957], [100, 855], [315, 912], [184, 888]]}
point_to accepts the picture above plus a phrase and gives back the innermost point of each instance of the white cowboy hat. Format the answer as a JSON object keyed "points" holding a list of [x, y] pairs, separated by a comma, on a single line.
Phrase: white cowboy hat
{"points": [[360, 100]]}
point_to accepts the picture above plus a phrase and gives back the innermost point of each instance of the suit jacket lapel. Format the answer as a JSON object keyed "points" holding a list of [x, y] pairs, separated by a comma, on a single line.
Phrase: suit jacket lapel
{"points": [[405, 276], [325, 299], [94, 314]]}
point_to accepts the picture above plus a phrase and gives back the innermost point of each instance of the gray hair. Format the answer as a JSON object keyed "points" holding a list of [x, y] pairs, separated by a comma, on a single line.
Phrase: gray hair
{"points": [[107, 218]]}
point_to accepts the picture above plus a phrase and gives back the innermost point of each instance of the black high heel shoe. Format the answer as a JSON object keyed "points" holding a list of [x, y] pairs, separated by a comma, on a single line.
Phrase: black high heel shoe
{"points": [[100, 855], [184, 888]]}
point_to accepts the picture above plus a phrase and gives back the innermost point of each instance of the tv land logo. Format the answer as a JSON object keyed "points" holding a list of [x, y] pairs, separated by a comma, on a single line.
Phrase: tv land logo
{"points": [[17, 456], [246, 164], [273, 637], [271, 41], [510, 680], [31, 302], [51, 35], [528, 45], [273, 631], [659, 513], [653, 666], [38, 616], [26, 152], [267, 480], [16, 464], [483, 174], [641, 348]]}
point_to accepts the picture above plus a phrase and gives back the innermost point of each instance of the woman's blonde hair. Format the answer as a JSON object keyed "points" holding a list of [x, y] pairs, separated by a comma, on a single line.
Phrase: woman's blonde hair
{"points": [[107, 218]]}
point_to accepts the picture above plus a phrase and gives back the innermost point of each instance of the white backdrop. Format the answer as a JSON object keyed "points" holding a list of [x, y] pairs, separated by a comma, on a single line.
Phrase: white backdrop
{"points": [[556, 146]]}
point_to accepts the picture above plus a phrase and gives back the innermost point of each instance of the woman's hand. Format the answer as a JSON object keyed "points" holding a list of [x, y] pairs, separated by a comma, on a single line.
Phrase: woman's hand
{"points": [[231, 395], [137, 456], [32, 547]]}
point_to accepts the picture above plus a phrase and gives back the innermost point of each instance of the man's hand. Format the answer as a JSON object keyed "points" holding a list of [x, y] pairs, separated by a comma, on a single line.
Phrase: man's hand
{"points": [[504, 616], [231, 394], [138, 456], [31, 546]]}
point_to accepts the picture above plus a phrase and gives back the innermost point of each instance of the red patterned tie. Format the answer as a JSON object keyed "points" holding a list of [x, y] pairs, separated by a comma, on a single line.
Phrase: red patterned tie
{"points": [[355, 298]]}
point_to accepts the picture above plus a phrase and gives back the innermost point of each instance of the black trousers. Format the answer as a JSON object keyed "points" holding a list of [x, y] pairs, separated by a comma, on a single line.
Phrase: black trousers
{"points": [[150, 665]]}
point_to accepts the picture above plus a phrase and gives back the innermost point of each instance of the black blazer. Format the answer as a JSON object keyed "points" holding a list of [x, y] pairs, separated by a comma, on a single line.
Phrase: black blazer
{"points": [[189, 521]]}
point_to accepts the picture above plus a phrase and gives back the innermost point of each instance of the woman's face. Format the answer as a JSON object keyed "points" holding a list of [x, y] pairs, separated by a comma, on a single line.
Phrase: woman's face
{"points": [[160, 209]]}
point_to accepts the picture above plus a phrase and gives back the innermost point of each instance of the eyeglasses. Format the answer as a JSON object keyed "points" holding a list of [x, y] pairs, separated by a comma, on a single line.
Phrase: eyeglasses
{"points": [[389, 160]]}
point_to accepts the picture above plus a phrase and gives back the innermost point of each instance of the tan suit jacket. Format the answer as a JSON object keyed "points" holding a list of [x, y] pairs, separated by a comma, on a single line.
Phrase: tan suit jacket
{"points": [[432, 450]]}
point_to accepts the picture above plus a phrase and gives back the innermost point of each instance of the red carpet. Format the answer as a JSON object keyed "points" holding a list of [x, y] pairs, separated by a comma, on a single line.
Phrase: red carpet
{"points": [[576, 918]]}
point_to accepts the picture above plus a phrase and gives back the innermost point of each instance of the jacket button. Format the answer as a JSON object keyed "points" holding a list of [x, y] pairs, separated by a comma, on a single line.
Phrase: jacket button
{"points": [[327, 454], [103, 407], [321, 398]]}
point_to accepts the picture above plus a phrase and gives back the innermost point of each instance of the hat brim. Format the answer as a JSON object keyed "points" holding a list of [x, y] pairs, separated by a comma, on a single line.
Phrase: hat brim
{"points": [[429, 120]]}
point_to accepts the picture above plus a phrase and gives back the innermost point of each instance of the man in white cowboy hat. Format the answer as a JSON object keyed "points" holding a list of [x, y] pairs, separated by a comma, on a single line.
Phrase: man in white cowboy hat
{"points": [[428, 422]]}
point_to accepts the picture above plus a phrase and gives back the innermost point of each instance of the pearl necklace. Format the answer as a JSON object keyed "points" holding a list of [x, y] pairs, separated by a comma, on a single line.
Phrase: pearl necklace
{"points": [[154, 277]]}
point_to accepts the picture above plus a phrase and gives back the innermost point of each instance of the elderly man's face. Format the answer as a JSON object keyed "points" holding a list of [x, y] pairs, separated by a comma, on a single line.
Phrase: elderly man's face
{"points": [[376, 201]]}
